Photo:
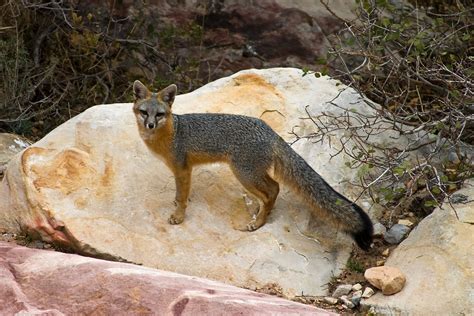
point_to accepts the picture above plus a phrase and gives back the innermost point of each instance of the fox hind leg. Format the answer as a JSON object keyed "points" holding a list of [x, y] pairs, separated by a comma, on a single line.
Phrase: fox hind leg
{"points": [[262, 186]]}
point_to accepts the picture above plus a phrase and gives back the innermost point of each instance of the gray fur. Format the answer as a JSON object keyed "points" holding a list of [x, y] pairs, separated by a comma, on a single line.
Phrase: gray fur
{"points": [[251, 148]]}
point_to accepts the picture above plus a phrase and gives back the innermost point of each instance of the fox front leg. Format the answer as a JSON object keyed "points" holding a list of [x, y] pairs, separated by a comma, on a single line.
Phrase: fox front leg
{"points": [[183, 182]]}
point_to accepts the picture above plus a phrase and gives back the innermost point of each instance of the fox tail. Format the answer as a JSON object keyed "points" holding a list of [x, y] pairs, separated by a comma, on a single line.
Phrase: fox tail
{"points": [[292, 169]]}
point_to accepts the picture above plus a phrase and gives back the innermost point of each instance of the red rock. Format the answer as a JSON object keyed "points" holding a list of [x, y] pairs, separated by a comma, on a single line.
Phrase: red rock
{"points": [[54, 283], [282, 33]]}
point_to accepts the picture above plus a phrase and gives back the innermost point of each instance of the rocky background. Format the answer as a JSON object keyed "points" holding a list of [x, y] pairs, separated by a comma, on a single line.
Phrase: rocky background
{"points": [[75, 54], [108, 199], [60, 58]]}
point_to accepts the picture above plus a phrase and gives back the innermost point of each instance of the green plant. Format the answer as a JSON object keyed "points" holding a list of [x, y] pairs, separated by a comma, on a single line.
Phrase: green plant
{"points": [[355, 266], [58, 58], [418, 65]]}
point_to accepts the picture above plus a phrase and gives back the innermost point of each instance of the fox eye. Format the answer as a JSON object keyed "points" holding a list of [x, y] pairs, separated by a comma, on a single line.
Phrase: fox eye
{"points": [[143, 112], [159, 114]]}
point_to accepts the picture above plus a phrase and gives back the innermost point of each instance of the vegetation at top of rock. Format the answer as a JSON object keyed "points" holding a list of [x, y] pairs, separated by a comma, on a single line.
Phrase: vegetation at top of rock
{"points": [[59, 58], [415, 59]]}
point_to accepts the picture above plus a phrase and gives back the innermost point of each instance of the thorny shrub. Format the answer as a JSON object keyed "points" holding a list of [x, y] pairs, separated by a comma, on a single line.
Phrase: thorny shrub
{"points": [[417, 63], [57, 58]]}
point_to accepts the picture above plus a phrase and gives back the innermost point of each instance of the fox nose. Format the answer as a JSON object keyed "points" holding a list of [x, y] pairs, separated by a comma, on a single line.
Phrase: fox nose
{"points": [[151, 125]]}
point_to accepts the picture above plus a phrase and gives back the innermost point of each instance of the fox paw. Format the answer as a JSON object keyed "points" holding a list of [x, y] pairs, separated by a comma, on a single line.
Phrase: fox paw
{"points": [[175, 220], [250, 227]]}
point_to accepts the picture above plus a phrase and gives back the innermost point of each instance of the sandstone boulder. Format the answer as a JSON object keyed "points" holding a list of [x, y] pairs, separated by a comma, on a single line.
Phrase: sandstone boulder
{"points": [[438, 260], [40, 282], [93, 186]]}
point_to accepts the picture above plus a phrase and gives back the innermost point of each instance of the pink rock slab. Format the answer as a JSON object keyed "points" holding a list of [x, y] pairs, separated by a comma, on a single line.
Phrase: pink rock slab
{"points": [[46, 282]]}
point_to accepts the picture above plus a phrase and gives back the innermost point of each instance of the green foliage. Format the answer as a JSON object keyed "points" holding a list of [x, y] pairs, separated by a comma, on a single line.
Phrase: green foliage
{"points": [[57, 60], [415, 60], [355, 266], [431, 203]]}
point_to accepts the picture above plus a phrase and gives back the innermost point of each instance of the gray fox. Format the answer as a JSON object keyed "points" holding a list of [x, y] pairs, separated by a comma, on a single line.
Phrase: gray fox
{"points": [[251, 148]]}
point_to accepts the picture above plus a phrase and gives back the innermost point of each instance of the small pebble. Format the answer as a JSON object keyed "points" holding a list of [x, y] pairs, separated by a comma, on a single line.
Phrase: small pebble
{"points": [[341, 290], [405, 222], [379, 263], [453, 158], [330, 300], [346, 301], [379, 230], [357, 287], [38, 244], [386, 252], [368, 292], [396, 234], [356, 297]]}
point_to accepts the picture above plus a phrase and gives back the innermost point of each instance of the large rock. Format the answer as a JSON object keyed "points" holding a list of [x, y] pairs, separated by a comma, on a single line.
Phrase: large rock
{"points": [[93, 186], [34, 282], [438, 260]]}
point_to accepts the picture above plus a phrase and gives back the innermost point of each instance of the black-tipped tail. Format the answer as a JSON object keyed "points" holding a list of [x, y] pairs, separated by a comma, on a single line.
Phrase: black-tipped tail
{"points": [[363, 237], [294, 170]]}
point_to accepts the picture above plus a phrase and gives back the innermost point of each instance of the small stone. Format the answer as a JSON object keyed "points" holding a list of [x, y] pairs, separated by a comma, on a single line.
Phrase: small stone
{"points": [[38, 244], [346, 301], [330, 300], [396, 233], [356, 297], [386, 252], [368, 292], [405, 222], [389, 279], [357, 287], [341, 290], [379, 230], [453, 158], [379, 263], [411, 214], [357, 293]]}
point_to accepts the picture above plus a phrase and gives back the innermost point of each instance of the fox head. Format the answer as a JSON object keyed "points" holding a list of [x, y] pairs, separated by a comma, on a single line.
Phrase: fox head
{"points": [[152, 110]]}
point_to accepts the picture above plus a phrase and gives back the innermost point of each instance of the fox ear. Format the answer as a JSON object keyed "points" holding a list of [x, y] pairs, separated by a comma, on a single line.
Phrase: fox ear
{"points": [[168, 94], [139, 90]]}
